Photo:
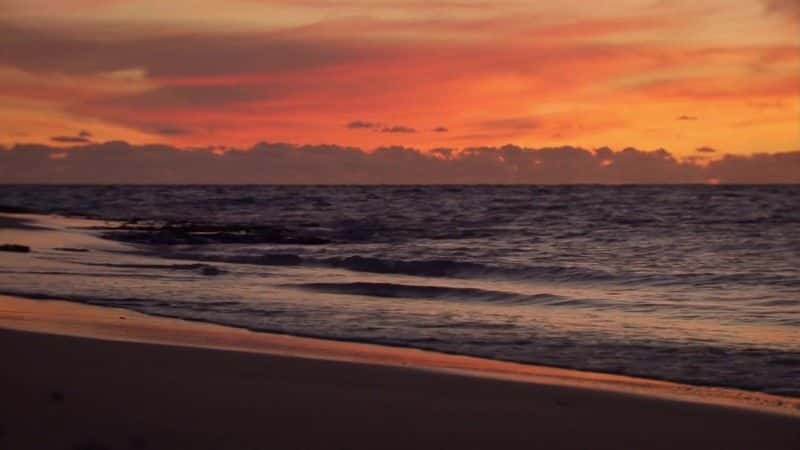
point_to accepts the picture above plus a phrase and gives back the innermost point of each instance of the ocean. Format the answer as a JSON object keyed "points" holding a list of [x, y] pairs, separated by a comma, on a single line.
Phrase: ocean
{"points": [[696, 284]]}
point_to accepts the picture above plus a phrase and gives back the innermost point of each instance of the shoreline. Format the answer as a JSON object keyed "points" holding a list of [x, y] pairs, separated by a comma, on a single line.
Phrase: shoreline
{"points": [[82, 377], [74, 319], [57, 233]]}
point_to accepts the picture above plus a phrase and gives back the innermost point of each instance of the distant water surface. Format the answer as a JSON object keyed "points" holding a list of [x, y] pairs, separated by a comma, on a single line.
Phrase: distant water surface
{"points": [[697, 284]]}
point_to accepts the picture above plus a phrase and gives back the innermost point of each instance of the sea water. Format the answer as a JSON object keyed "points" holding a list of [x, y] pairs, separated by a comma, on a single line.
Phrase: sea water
{"points": [[697, 284]]}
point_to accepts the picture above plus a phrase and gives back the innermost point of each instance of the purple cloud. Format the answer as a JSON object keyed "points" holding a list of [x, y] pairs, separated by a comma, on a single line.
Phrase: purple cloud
{"points": [[120, 162]]}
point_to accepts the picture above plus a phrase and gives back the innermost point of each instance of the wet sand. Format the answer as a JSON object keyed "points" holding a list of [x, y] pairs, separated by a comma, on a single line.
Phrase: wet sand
{"points": [[83, 377]]}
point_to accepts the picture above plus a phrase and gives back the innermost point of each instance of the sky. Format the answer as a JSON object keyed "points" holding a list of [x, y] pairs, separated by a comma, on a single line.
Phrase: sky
{"points": [[699, 78]]}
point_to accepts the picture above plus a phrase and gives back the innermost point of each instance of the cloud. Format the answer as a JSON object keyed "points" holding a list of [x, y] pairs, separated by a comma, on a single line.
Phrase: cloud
{"points": [[706, 150], [512, 123], [172, 131], [171, 54], [82, 138], [189, 97], [441, 130], [361, 124], [120, 162], [708, 89], [696, 159], [685, 117], [377, 126], [69, 139], [398, 129]]}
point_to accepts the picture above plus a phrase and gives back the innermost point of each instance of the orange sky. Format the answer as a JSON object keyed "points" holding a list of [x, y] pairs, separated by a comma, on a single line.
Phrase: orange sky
{"points": [[674, 74]]}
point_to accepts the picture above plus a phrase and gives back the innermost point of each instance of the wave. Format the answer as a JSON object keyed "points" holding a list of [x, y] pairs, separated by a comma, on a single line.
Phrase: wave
{"points": [[172, 234], [395, 290], [450, 268], [203, 269], [436, 268], [695, 361]]}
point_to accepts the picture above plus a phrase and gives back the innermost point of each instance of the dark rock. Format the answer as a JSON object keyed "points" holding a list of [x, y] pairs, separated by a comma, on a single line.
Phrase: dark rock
{"points": [[16, 248], [18, 223], [138, 443], [90, 444], [57, 395], [10, 209], [278, 259], [211, 271]]}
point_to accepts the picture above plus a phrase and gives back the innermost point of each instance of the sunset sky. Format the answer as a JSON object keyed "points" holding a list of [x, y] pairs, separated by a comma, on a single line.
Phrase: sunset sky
{"points": [[722, 76]]}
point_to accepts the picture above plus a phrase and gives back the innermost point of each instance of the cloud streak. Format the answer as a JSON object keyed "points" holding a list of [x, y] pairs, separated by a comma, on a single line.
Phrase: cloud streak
{"points": [[69, 139], [171, 54], [377, 126], [398, 129], [789, 8], [362, 125]]}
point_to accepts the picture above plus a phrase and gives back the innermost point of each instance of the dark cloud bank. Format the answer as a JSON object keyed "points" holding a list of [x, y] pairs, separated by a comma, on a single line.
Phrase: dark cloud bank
{"points": [[120, 162]]}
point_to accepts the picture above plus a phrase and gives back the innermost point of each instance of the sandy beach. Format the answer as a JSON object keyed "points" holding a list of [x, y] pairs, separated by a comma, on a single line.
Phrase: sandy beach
{"points": [[82, 377]]}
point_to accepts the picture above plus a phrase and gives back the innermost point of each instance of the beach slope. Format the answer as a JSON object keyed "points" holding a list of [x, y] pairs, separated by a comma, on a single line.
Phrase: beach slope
{"points": [[70, 392]]}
